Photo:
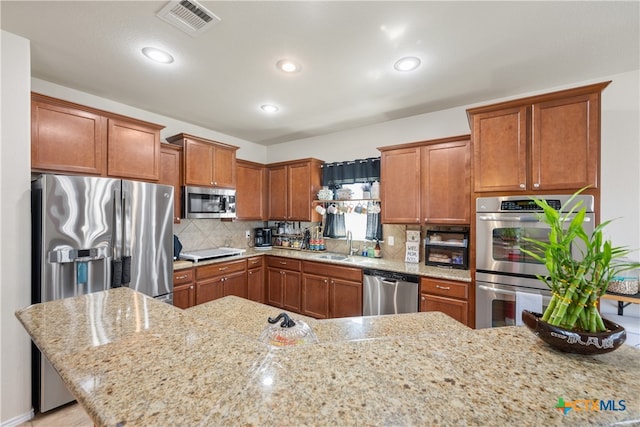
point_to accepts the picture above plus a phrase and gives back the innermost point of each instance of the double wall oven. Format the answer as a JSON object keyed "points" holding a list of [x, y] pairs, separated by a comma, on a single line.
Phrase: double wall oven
{"points": [[505, 275]]}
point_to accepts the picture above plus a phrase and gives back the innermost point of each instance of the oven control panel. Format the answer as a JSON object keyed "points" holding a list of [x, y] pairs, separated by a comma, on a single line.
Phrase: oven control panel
{"points": [[527, 205]]}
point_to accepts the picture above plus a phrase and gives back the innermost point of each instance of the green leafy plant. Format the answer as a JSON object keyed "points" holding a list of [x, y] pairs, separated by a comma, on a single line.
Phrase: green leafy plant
{"points": [[576, 283]]}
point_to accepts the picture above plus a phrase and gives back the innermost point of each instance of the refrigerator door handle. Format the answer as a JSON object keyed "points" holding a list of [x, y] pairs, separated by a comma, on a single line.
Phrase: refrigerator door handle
{"points": [[116, 262], [126, 252]]}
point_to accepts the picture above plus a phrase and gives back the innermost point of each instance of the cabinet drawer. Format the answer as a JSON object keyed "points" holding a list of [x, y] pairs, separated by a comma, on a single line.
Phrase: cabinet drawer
{"points": [[182, 276], [255, 262], [213, 270], [337, 272], [284, 263], [445, 288]]}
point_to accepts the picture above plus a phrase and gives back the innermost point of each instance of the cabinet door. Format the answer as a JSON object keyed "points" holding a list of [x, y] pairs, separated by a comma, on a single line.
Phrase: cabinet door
{"points": [[250, 192], [500, 150], [292, 291], [299, 192], [208, 290], [446, 183], [198, 163], [184, 296], [315, 296], [400, 184], [346, 298], [256, 285], [224, 167], [171, 173], [235, 284], [278, 193], [65, 139], [275, 291], [133, 150], [565, 143], [454, 308]]}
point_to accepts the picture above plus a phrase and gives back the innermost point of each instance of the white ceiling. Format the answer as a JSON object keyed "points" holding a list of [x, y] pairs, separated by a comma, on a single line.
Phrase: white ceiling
{"points": [[471, 52]]}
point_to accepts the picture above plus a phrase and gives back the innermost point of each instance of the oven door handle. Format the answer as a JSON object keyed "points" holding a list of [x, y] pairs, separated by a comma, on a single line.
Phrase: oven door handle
{"points": [[511, 219], [498, 291]]}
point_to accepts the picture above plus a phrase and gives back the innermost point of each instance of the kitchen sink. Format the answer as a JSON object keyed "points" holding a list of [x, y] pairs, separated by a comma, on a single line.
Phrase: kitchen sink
{"points": [[334, 257]]}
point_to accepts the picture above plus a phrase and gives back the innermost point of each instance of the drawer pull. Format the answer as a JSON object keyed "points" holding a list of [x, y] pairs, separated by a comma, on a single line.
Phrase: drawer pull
{"points": [[283, 263], [446, 288], [223, 268], [181, 277]]}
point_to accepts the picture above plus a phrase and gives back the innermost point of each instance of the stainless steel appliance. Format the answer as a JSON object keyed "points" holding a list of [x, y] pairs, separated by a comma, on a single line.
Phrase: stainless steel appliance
{"points": [[262, 238], [203, 202], [90, 234], [505, 276], [387, 292], [205, 254]]}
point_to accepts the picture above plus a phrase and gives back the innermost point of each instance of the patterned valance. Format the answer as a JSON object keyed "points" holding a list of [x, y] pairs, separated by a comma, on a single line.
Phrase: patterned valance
{"points": [[351, 172]]}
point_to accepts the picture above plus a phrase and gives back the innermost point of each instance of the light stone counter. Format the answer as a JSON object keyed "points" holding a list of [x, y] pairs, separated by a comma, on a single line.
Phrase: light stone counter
{"points": [[419, 269], [134, 361]]}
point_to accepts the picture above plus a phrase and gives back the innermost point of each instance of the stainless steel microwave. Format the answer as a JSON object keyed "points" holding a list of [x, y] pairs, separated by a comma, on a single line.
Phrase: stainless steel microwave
{"points": [[203, 202]]}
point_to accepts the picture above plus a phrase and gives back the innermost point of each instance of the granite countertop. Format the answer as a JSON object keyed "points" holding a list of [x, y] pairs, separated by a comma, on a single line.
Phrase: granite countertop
{"points": [[131, 360], [419, 269]]}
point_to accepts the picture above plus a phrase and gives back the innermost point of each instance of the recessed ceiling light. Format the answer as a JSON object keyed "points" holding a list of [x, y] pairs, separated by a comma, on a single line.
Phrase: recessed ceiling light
{"points": [[288, 66], [408, 63], [269, 108], [157, 55]]}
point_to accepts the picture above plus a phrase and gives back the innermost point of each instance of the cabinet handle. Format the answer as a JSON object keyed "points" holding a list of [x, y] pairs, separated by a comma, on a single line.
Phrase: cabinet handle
{"points": [[191, 287], [446, 288], [283, 263], [254, 262], [326, 281], [522, 185], [223, 268], [181, 277], [536, 185], [423, 299], [251, 272]]}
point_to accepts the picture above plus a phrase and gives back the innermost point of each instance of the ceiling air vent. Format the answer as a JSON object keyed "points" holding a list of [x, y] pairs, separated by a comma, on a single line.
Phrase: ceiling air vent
{"points": [[188, 16]]}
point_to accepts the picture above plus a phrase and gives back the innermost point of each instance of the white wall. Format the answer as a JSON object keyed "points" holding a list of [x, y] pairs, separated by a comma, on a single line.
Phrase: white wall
{"points": [[620, 170], [248, 150], [15, 229]]}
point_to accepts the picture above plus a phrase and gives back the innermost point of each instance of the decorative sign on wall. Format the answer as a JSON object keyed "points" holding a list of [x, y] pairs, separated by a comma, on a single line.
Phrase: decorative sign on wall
{"points": [[412, 254]]}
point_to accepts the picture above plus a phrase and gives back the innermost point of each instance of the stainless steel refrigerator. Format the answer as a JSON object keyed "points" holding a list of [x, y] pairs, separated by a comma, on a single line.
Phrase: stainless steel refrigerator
{"points": [[90, 234]]}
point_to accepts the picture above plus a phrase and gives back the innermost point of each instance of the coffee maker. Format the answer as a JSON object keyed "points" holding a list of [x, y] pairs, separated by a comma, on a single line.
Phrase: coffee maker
{"points": [[262, 238]]}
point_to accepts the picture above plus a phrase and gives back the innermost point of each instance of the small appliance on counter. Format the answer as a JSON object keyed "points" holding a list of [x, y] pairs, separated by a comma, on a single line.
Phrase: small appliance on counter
{"points": [[447, 249], [262, 238]]}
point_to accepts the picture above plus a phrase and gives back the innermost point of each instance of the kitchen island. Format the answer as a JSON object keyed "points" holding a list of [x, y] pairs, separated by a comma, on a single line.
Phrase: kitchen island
{"points": [[131, 360]]}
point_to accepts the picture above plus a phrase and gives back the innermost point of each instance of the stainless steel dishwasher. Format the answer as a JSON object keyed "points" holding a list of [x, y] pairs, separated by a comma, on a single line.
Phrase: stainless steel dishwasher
{"points": [[388, 292]]}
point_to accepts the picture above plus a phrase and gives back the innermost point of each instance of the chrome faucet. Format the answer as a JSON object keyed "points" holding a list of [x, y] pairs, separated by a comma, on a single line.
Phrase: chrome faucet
{"points": [[350, 248]]}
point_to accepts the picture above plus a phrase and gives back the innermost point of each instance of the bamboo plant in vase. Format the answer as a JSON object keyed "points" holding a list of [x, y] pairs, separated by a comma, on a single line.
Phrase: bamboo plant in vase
{"points": [[572, 321]]}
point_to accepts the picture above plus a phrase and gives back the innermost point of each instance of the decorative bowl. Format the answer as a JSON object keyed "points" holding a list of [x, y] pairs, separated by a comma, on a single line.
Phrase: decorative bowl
{"points": [[577, 342], [325, 194]]}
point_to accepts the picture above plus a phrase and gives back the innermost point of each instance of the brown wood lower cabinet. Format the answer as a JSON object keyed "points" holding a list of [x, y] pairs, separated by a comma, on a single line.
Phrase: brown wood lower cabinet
{"points": [[256, 289], [283, 282], [215, 281], [184, 291], [330, 291], [446, 296]]}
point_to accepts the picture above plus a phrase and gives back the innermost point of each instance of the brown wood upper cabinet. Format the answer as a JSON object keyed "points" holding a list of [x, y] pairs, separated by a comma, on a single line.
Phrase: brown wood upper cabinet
{"points": [[539, 143], [206, 163], [251, 191], [72, 138], [292, 188], [171, 174], [426, 182]]}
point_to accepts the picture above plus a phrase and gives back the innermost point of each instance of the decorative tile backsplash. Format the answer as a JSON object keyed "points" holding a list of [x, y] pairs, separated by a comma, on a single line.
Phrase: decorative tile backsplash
{"points": [[195, 234]]}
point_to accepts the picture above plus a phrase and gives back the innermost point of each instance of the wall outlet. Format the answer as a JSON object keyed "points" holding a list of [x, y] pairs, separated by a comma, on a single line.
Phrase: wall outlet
{"points": [[391, 240], [247, 234]]}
